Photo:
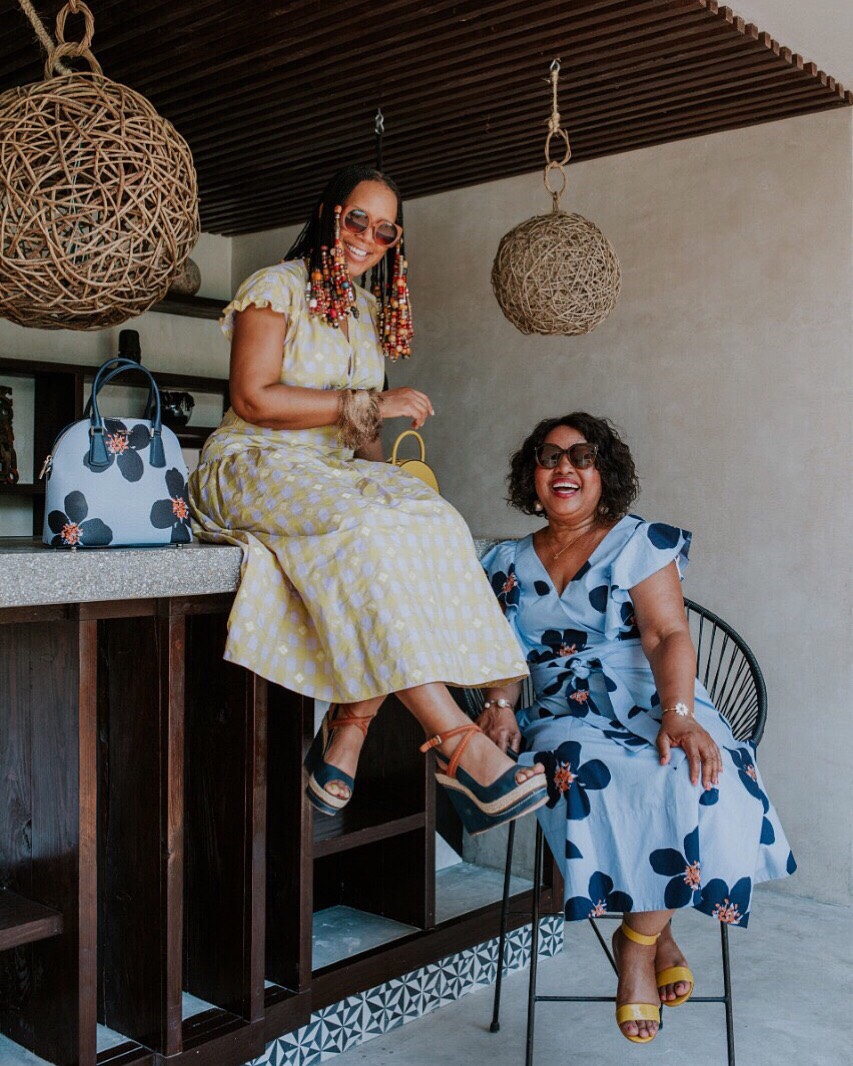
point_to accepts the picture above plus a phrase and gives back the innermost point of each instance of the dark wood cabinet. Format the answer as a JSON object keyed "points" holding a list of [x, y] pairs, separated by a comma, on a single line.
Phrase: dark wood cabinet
{"points": [[157, 848]]}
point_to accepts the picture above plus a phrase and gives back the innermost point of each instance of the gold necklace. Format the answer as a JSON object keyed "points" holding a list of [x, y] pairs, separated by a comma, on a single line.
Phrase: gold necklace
{"points": [[571, 544]]}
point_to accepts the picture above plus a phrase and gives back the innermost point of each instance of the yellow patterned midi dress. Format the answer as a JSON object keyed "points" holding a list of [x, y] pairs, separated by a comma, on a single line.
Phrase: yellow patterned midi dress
{"points": [[358, 580]]}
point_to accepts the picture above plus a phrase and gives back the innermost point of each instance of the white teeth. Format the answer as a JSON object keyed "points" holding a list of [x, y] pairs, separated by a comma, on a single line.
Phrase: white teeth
{"points": [[356, 251]]}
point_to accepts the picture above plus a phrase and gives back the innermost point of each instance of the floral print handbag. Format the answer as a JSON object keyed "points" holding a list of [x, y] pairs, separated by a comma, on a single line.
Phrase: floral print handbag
{"points": [[116, 482]]}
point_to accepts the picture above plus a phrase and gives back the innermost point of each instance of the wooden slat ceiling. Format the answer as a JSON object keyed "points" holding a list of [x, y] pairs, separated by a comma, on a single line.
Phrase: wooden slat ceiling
{"points": [[273, 96]]}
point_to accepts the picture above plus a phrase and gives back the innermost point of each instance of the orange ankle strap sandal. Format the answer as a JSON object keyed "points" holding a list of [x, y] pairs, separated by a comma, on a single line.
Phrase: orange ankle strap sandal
{"points": [[482, 807]]}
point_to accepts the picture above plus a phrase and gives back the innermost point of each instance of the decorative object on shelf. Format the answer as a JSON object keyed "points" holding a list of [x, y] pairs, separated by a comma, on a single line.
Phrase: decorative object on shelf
{"points": [[116, 482], [556, 273], [129, 346], [177, 407], [188, 281], [417, 467], [98, 195], [8, 459]]}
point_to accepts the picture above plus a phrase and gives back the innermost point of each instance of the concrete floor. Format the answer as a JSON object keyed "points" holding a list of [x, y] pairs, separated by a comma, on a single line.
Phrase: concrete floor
{"points": [[793, 987]]}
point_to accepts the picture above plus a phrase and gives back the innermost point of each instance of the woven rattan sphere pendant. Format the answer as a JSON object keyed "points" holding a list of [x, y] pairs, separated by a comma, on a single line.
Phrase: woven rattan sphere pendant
{"points": [[98, 197], [556, 273]]}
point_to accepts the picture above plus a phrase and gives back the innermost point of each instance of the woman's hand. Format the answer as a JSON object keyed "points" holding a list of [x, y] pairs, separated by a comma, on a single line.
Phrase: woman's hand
{"points": [[405, 403], [695, 742], [500, 726]]}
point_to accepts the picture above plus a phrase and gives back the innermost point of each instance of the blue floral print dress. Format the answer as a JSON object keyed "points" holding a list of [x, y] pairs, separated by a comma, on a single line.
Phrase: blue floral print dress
{"points": [[628, 833]]}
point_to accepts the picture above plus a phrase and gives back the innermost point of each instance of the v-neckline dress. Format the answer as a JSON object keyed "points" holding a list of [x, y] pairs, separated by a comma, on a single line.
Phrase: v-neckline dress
{"points": [[628, 833]]}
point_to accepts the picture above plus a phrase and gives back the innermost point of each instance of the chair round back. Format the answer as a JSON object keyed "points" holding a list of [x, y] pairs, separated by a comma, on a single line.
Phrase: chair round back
{"points": [[725, 666], [729, 671]]}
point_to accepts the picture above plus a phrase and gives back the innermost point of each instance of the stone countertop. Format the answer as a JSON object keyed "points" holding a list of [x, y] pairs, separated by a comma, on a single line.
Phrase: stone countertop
{"points": [[34, 574]]}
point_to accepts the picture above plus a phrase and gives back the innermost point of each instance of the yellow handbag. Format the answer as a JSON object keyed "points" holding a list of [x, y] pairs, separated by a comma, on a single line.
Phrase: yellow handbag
{"points": [[418, 467]]}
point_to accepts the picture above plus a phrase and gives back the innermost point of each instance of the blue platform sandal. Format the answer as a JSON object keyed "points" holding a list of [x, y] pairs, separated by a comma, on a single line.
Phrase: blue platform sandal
{"points": [[483, 807], [322, 773]]}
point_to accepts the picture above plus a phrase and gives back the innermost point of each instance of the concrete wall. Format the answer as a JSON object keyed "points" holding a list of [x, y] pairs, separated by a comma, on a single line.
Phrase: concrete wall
{"points": [[727, 364]]}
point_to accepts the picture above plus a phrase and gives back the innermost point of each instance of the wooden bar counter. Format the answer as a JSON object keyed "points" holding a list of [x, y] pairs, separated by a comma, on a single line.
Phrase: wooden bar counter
{"points": [[156, 847]]}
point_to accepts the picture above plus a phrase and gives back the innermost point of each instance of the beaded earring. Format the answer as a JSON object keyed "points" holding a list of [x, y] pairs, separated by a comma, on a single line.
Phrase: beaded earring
{"points": [[331, 293], [395, 311]]}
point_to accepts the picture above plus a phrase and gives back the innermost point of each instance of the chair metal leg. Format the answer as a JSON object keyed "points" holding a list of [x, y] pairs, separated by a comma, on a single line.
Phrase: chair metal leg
{"points": [[496, 1010], [727, 992], [534, 942]]}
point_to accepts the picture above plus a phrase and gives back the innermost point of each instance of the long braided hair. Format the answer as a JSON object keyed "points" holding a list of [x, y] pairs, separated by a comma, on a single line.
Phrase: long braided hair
{"points": [[319, 233]]}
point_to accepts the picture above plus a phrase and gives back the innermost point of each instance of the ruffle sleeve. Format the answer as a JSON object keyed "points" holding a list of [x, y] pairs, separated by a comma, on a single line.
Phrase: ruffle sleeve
{"points": [[277, 287], [651, 547]]}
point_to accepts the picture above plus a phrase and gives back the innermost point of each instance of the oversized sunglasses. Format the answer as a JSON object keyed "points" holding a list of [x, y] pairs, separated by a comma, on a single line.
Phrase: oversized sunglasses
{"points": [[358, 222], [580, 455]]}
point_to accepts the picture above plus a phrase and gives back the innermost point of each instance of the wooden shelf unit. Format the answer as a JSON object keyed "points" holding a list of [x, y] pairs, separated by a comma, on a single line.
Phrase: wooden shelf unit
{"points": [[61, 390], [191, 306], [23, 921], [159, 812]]}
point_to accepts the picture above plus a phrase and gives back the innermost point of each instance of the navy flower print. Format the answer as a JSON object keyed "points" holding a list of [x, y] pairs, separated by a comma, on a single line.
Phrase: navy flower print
{"points": [[570, 779], [558, 644], [683, 870], [123, 446], [743, 760], [70, 528], [174, 511], [506, 588], [729, 905], [601, 899]]}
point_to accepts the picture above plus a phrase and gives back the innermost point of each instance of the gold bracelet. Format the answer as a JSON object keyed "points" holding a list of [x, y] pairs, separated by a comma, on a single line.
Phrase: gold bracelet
{"points": [[680, 708]]}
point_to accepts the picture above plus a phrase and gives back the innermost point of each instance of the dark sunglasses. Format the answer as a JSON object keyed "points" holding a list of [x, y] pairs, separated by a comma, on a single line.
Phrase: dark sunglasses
{"points": [[357, 222], [580, 455]]}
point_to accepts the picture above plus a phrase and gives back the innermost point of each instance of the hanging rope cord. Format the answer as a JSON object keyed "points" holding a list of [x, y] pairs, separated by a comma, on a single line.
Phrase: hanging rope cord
{"points": [[555, 129], [56, 51]]}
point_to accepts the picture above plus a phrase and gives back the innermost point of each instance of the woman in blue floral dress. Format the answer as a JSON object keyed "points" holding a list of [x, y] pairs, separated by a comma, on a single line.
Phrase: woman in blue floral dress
{"points": [[653, 805]]}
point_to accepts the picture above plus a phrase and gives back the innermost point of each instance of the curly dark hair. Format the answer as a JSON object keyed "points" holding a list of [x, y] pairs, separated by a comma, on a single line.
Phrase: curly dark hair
{"points": [[619, 482]]}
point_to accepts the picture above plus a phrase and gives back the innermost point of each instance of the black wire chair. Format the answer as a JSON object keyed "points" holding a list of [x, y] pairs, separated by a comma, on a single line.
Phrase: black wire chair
{"points": [[730, 673]]}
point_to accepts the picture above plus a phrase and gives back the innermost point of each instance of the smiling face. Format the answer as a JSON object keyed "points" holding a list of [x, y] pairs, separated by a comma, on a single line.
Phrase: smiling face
{"points": [[362, 251], [565, 492]]}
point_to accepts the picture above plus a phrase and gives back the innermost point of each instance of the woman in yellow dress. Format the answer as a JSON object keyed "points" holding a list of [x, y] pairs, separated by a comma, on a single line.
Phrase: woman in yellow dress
{"points": [[358, 580]]}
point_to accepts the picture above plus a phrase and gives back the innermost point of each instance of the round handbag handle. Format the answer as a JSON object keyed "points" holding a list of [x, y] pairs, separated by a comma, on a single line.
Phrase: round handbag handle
{"points": [[408, 433], [98, 456]]}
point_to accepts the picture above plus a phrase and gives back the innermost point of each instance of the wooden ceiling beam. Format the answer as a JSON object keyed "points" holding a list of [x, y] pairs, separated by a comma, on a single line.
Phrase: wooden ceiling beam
{"points": [[292, 74], [406, 135], [482, 79], [585, 146]]}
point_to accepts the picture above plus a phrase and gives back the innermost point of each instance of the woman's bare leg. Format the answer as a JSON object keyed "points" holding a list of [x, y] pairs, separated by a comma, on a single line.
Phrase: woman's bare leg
{"points": [[346, 743], [435, 709], [637, 982]]}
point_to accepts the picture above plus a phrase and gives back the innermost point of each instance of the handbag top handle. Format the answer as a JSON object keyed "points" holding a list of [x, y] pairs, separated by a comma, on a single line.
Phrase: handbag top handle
{"points": [[98, 457], [147, 414], [408, 433]]}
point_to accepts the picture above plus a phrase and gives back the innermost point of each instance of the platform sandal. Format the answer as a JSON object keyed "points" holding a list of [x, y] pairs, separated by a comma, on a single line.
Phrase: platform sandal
{"points": [[482, 807], [638, 1012], [322, 773]]}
